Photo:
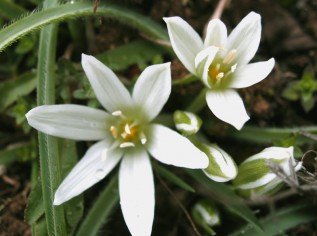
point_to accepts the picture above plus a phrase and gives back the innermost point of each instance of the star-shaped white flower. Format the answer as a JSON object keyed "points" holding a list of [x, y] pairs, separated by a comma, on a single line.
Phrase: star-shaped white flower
{"points": [[126, 134], [221, 62]]}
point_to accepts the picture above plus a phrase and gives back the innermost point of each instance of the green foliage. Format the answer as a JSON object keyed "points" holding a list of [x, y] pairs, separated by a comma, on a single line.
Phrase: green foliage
{"points": [[10, 10], [138, 52], [11, 90], [18, 152], [279, 222], [64, 12], [74, 208], [173, 178], [303, 90], [225, 195], [100, 211]]}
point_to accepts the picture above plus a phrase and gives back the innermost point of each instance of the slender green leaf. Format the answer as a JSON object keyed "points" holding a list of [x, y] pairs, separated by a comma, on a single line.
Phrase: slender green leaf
{"points": [[48, 147], [100, 211], [226, 196], [281, 221], [11, 90], [69, 11], [173, 178], [270, 135], [35, 207], [74, 208], [39, 228]]}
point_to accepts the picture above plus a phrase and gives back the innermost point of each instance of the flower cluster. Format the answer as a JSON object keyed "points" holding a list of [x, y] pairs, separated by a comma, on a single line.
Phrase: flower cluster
{"points": [[126, 134]]}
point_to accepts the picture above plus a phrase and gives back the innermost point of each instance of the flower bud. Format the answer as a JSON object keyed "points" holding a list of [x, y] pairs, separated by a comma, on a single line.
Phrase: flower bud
{"points": [[206, 215], [186, 122], [255, 176], [222, 167]]}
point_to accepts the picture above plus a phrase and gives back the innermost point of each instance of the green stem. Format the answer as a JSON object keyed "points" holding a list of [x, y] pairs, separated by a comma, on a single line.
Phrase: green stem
{"points": [[50, 168], [100, 211], [199, 102]]}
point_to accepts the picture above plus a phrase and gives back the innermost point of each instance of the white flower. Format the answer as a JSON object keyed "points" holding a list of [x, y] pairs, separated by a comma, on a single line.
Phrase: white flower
{"points": [[221, 62], [126, 134]]}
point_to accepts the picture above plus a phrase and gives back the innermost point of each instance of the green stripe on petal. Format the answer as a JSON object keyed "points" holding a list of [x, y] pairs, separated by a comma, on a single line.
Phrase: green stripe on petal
{"points": [[221, 167]]}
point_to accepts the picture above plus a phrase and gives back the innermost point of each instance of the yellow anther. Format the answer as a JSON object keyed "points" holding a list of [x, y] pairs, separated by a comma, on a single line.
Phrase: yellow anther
{"points": [[117, 113], [114, 131], [127, 144], [127, 129], [233, 68], [220, 76], [143, 138]]}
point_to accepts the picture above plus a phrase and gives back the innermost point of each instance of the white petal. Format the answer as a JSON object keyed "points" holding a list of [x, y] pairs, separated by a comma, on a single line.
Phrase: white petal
{"points": [[109, 90], [259, 182], [250, 74], [228, 106], [136, 188], [185, 41], [171, 148], [216, 34], [70, 121], [152, 89], [203, 61], [245, 38], [277, 153], [92, 168]]}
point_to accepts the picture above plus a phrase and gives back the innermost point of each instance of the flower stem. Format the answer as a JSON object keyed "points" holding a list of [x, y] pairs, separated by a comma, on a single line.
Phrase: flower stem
{"points": [[199, 102], [186, 80]]}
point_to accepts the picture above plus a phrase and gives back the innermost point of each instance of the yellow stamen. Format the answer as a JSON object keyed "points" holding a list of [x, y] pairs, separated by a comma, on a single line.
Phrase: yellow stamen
{"points": [[127, 144], [114, 131], [220, 76], [127, 129], [117, 113]]}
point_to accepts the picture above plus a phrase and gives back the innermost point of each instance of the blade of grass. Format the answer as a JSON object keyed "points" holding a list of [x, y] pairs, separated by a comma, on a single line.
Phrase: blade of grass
{"points": [[270, 135], [172, 178], [50, 166], [10, 10], [74, 208], [35, 21], [100, 211]]}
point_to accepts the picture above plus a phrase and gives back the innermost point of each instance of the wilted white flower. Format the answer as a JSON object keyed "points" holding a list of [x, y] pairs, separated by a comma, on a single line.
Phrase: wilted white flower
{"points": [[126, 134], [255, 177], [221, 62]]}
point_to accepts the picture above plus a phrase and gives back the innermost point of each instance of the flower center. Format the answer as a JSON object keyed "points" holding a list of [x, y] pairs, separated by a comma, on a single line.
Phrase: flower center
{"points": [[127, 132], [222, 67]]}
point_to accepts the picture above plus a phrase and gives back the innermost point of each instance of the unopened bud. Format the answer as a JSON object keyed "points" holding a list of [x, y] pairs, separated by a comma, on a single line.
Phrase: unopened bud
{"points": [[186, 122], [206, 215], [222, 167], [256, 177]]}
